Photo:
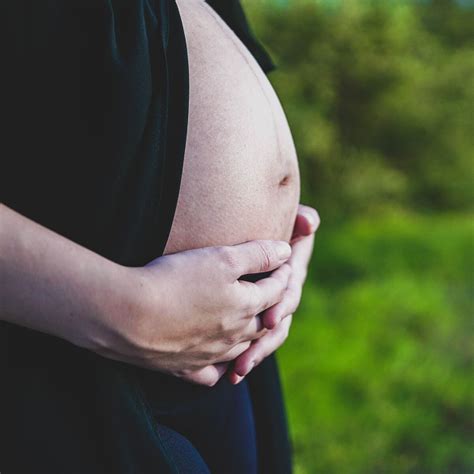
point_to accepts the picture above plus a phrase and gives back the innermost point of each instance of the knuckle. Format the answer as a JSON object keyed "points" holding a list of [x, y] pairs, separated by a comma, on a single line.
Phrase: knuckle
{"points": [[262, 306], [226, 323], [267, 255], [292, 308], [276, 297], [231, 340], [287, 271], [229, 297], [282, 291], [228, 257]]}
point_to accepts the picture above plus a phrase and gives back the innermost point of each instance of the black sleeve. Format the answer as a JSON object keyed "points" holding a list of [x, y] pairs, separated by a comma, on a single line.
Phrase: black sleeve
{"points": [[95, 113]]}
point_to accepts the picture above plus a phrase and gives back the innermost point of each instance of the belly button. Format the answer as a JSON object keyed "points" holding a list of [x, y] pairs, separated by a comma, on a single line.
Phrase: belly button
{"points": [[285, 180]]}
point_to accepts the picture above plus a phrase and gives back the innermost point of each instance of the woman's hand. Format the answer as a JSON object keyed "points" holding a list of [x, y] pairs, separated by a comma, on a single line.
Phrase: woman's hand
{"points": [[278, 318], [192, 311], [179, 314]]}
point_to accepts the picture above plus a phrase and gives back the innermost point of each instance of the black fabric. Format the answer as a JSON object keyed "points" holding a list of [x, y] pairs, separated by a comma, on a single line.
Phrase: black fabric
{"points": [[94, 99], [97, 114], [185, 456], [218, 421], [273, 442]]}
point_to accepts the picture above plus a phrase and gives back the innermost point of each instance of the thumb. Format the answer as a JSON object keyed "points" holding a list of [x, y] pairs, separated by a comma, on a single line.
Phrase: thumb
{"points": [[307, 221], [259, 256]]}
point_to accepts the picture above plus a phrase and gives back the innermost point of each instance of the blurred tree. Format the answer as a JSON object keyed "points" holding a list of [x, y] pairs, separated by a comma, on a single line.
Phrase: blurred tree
{"points": [[380, 99]]}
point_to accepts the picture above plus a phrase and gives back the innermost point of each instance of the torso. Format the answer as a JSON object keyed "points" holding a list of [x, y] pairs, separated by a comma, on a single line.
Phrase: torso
{"points": [[240, 176]]}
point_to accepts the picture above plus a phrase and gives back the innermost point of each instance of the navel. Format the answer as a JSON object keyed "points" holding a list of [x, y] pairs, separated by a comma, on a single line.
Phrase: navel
{"points": [[285, 180]]}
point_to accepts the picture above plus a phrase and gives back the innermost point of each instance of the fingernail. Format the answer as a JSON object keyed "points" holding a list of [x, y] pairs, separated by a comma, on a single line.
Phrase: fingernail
{"points": [[310, 218], [283, 250], [314, 221], [238, 380]]}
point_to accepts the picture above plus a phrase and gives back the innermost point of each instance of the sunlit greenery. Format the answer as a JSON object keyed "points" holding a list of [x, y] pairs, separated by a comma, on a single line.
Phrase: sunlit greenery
{"points": [[378, 371], [378, 368]]}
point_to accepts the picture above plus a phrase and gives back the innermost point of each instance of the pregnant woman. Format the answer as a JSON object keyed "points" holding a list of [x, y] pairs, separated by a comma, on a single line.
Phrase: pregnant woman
{"points": [[143, 241]]}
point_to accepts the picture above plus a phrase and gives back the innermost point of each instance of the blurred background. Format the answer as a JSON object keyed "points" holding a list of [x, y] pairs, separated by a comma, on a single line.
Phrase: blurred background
{"points": [[378, 370]]}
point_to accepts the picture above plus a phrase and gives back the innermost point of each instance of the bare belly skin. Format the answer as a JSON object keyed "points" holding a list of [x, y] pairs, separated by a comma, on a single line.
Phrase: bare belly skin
{"points": [[240, 176]]}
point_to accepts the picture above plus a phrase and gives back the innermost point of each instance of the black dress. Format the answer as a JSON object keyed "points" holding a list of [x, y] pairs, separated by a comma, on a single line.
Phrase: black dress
{"points": [[95, 97]]}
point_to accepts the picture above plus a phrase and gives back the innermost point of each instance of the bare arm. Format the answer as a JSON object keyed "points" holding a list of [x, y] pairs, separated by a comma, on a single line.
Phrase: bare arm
{"points": [[51, 284], [180, 314]]}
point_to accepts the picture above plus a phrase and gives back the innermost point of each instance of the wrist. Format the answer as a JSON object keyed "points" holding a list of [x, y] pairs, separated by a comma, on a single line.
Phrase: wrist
{"points": [[108, 301], [122, 309]]}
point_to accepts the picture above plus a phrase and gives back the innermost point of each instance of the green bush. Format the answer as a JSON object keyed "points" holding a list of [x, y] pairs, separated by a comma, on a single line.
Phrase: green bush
{"points": [[379, 97], [378, 368]]}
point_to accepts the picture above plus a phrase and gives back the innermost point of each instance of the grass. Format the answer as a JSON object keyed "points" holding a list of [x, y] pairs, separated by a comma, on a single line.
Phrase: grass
{"points": [[378, 368]]}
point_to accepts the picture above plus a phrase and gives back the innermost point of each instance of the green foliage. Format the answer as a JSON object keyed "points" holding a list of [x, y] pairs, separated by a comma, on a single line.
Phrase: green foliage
{"points": [[380, 98], [378, 368]]}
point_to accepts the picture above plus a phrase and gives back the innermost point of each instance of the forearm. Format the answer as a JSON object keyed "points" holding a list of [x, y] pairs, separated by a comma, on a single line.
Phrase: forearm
{"points": [[179, 314], [51, 284]]}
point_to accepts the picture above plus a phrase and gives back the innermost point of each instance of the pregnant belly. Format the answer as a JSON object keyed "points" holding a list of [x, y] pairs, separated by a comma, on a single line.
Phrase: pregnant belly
{"points": [[240, 176]]}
